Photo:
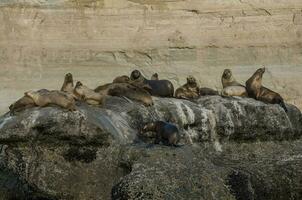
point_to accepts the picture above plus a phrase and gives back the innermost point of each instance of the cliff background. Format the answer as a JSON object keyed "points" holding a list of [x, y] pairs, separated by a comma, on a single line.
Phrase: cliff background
{"points": [[97, 40]]}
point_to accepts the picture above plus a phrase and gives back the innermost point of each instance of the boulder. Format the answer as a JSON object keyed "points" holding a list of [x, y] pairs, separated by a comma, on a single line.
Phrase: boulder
{"points": [[231, 148]]}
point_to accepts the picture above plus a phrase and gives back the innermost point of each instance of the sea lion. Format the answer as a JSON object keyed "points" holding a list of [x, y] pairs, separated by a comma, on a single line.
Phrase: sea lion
{"points": [[228, 79], [257, 91], [165, 132], [126, 79], [88, 95], [121, 79], [68, 84], [22, 104], [154, 76], [190, 90], [234, 91], [45, 97], [207, 91], [162, 88], [127, 90]]}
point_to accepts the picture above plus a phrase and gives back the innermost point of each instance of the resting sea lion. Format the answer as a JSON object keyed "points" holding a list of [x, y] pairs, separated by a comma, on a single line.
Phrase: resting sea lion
{"points": [[126, 79], [127, 90], [162, 88], [121, 79], [22, 104], [207, 91], [190, 90], [257, 91], [45, 97], [228, 79], [234, 91], [68, 84], [86, 94], [154, 76], [165, 132]]}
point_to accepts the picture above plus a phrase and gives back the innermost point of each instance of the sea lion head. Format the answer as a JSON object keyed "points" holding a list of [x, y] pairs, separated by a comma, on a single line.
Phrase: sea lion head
{"points": [[154, 76], [121, 79], [79, 84], [135, 75], [191, 80], [68, 77], [227, 74], [260, 71]]}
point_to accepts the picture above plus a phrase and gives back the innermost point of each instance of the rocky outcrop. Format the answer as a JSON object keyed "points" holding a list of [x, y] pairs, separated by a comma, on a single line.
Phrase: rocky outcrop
{"points": [[231, 148]]}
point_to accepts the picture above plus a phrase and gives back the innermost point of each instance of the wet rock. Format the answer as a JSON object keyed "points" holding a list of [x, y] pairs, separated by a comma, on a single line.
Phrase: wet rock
{"points": [[231, 148]]}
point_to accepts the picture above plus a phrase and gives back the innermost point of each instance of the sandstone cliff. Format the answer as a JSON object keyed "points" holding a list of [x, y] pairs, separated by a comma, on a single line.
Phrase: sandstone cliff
{"points": [[97, 40]]}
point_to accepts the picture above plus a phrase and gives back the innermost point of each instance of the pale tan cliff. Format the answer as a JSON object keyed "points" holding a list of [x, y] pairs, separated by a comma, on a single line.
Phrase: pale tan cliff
{"points": [[97, 40]]}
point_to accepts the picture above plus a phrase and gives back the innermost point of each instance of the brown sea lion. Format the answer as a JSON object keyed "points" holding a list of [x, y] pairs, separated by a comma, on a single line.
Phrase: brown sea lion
{"points": [[204, 91], [165, 132], [121, 79], [162, 88], [126, 79], [22, 104], [234, 91], [257, 91], [228, 79], [154, 76], [88, 95], [44, 98], [68, 84], [190, 90], [127, 90]]}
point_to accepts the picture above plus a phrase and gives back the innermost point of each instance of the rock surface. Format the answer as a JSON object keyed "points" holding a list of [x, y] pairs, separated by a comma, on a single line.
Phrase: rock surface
{"points": [[231, 148]]}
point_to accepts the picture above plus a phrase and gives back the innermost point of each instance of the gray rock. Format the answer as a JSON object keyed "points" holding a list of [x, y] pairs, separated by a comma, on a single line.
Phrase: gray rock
{"points": [[231, 148]]}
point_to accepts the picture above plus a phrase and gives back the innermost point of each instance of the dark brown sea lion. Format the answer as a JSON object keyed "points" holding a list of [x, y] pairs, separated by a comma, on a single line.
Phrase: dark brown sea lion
{"points": [[257, 91], [204, 91], [22, 104], [154, 76], [162, 88], [88, 95], [190, 90], [126, 90], [68, 84], [165, 132], [44, 98]]}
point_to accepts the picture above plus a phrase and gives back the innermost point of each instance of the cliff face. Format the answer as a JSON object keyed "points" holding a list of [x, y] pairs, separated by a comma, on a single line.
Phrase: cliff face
{"points": [[230, 148], [97, 40]]}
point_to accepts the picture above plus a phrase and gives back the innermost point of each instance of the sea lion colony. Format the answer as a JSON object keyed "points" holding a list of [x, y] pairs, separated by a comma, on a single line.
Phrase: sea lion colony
{"points": [[138, 88]]}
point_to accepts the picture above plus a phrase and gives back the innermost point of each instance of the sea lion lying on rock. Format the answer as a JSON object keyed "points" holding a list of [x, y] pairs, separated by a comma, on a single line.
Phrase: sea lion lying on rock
{"points": [[45, 98], [257, 91], [165, 132], [88, 95], [126, 90], [190, 90], [204, 91], [126, 79], [162, 88], [22, 104], [230, 86]]}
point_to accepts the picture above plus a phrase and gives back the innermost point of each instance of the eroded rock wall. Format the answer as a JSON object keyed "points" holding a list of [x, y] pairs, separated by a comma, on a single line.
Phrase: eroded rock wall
{"points": [[97, 40]]}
